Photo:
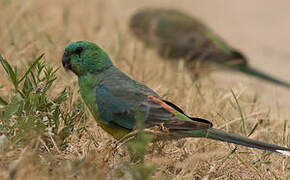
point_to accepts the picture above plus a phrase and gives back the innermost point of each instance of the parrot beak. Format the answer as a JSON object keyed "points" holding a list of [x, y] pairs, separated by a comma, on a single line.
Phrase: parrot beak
{"points": [[66, 61]]}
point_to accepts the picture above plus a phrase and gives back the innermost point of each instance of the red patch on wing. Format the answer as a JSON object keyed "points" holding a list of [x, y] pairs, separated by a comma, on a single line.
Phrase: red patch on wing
{"points": [[163, 104]]}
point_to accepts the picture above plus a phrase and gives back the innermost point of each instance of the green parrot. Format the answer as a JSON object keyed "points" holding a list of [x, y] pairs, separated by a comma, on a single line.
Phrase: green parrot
{"points": [[177, 35], [114, 98]]}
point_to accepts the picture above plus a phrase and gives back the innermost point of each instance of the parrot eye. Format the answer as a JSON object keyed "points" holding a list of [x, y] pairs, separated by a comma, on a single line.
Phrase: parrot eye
{"points": [[79, 50]]}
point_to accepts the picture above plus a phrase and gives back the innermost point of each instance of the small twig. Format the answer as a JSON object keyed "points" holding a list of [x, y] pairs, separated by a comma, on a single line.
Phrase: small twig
{"points": [[44, 144], [56, 147]]}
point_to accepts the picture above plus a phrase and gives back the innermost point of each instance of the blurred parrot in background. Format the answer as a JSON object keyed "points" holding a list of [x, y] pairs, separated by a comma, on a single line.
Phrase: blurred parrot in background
{"points": [[114, 98], [177, 35]]}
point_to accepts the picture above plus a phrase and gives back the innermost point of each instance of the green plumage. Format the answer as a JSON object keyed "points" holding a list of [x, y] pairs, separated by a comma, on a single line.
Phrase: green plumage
{"points": [[114, 98], [177, 35]]}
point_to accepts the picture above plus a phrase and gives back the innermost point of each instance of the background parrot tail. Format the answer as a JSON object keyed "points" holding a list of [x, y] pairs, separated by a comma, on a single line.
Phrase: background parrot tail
{"points": [[256, 73], [220, 135]]}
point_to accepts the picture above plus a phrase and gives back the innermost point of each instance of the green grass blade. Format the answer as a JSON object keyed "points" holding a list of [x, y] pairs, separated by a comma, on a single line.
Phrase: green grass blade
{"points": [[253, 130], [284, 132], [2, 101], [31, 67], [241, 112], [9, 70]]}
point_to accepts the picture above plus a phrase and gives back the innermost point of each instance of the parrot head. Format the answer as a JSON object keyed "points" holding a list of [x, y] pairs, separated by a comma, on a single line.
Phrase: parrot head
{"points": [[84, 57], [141, 22]]}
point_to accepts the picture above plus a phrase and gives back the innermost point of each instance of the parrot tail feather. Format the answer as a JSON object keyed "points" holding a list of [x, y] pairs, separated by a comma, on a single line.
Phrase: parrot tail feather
{"points": [[287, 153], [220, 135]]}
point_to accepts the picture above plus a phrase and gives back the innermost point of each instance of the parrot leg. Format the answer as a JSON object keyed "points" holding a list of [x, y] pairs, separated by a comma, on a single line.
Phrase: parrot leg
{"points": [[156, 130], [119, 143], [126, 138]]}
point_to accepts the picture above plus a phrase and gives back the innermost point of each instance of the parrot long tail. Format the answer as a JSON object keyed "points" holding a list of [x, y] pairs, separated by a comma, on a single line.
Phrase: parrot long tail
{"points": [[256, 73], [220, 135]]}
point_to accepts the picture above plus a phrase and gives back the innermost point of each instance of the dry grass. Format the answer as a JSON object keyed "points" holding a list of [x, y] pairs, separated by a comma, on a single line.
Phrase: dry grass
{"points": [[33, 27]]}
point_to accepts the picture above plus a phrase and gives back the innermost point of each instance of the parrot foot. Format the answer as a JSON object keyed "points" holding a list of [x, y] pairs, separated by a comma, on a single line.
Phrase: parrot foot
{"points": [[156, 130], [120, 143], [126, 138]]}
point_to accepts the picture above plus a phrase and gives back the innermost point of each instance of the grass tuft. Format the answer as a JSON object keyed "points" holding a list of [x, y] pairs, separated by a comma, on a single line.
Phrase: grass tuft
{"points": [[29, 112]]}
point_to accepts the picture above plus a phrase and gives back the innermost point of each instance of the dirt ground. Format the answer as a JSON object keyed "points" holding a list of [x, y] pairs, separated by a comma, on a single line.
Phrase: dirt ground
{"points": [[260, 29]]}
